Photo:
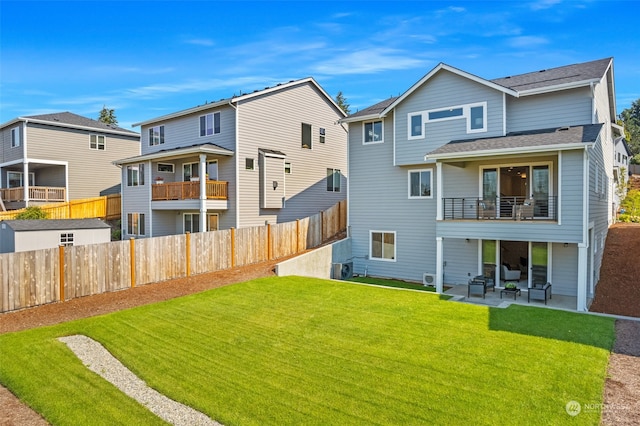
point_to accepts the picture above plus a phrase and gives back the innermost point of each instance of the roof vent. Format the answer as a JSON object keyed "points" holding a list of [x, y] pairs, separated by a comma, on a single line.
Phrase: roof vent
{"points": [[542, 71], [508, 76], [562, 129]]}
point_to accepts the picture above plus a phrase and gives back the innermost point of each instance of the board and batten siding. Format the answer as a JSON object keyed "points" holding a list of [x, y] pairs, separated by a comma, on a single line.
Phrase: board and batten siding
{"points": [[549, 110], [274, 121], [90, 171], [444, 90], [379, 202], [184, 131]]}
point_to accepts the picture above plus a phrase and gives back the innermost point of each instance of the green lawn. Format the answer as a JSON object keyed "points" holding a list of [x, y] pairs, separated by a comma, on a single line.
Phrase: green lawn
{"points": [[307, 351]]}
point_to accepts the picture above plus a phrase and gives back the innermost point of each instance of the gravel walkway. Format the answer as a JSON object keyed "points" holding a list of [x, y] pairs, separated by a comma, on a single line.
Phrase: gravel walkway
{"points": [[100, 361]]}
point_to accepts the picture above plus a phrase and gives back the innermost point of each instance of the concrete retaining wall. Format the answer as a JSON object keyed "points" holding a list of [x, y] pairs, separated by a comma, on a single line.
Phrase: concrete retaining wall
{"points": [[317, 263]]}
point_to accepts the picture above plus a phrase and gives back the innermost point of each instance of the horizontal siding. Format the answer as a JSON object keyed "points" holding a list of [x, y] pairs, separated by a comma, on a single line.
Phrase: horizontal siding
{"points": [[461, 260], [443, 90], [90, 171], [557, 109], [274, 121], [135, 199], [564, 269], [9, 153]]}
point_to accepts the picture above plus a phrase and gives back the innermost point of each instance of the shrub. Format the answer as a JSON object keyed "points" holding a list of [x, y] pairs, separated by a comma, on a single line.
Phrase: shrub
{"points": [[32, 213]]}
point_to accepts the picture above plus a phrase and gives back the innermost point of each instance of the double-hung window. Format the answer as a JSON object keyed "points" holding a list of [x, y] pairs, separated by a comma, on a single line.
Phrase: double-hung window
{"points": [[382, 245], [333, 180], [135, 175], [66, 239], [322, 135], [420, 184], [210, 124], [15, 137], [97, 142], [373, 132], [416, 126], [306, 135], [156, 135], [135, 223]]}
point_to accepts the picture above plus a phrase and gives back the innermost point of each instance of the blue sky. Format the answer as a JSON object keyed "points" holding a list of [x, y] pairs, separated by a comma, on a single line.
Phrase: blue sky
{"points": [[149, 58]]}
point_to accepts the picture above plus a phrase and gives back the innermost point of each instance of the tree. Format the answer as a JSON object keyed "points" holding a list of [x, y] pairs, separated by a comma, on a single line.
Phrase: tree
{"points": [[630, 119], [32, 213], [342, 103], [108, 116]]}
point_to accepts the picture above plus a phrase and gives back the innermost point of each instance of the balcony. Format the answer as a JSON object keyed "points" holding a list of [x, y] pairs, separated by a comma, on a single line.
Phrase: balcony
{"points": [[36, 193], [216, 190], [500, 208]]}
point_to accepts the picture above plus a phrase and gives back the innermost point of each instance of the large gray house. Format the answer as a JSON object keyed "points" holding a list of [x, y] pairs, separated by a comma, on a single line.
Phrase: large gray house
{"points": [[270, 156], [64, 155], [460, 172]]}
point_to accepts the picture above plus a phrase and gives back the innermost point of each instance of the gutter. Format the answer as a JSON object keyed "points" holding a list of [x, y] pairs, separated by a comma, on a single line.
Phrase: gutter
{"points": [[507, 151]]}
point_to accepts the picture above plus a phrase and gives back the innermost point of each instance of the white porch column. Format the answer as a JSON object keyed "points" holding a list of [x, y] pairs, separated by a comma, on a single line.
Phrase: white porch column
{"points": [[439, 268], [25, 181], [203, 192], [438, 191], [581, 296]]}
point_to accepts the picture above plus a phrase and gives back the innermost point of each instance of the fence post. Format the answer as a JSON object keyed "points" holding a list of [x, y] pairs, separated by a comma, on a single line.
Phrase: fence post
{"points": [[61, 263], [132, 256], [269, 249], [188, 240], [297, 235], [233, 247], [321, 227]]}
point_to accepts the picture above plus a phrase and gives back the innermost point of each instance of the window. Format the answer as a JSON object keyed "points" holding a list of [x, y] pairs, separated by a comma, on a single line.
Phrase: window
{"points": [[382, 245], [287, 168], [135, 175], [135, 223], [420, 182], [165, 168], [156, 135], [415, 126], [248, 164], [322, 135], [190, 170], [445, 113], [210, 124], [97, 142], [306, 135], [333, 180], [476, 121], [373, 132], [66, 239], [15, 179], [619, 160], [192, 222], [15, 137]]}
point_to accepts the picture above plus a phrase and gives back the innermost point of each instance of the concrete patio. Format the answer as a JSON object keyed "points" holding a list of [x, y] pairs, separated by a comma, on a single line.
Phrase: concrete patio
{"points": [[492, 298]]}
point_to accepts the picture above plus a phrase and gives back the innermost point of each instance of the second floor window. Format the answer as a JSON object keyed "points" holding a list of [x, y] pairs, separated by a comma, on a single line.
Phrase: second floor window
{"points": [[306, 135], [372, 132], [15, 137], [135, 175], [322, 135], [420, 184], [210, 124], [97, 142], [156, 135]]}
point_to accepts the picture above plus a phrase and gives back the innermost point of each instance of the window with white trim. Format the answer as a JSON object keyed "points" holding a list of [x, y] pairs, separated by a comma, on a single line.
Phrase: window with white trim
{"points": [[97, 142], [322, 134], [382, 245], [373, 132], [165, 168], [156, 135], [475, 116], [15, 137], [420, 183], [249, 164], [287, 168], [66, 239], [16, 179], [333, 180], [306, 136], [135, 174], [416, 126], [191, 222], [210, 124], [135, 224]]}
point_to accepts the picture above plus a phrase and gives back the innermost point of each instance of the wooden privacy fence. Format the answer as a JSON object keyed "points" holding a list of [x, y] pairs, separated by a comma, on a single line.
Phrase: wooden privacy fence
{"points": [[105, 207], [37, 277]]}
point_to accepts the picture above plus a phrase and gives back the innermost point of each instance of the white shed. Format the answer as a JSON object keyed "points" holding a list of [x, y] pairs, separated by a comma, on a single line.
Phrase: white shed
{"points": [[26, 235]]}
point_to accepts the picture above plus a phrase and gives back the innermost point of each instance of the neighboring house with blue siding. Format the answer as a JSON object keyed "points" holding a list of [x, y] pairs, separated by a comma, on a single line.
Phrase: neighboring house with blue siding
{"points": [[270, 156], [460, 171]]}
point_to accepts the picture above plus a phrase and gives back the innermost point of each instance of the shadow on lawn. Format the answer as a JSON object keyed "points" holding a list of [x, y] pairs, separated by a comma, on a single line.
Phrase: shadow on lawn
{"points": [[554, 324]]}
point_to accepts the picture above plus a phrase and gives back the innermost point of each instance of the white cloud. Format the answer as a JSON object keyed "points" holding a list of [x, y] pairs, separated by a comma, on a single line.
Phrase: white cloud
{"points": [[200, 42], [368, 61], [527, 41], [544, 4]]}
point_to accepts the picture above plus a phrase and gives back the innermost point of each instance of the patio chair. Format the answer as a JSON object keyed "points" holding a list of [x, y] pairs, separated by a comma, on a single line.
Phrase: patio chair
{"points": [[510, 274], [525, 210], [539, 291], [476, 287], [486, 209], [489, 276]]}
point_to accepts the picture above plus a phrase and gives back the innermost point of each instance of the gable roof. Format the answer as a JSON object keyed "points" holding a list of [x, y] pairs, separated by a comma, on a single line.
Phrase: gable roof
{"points": [[179, 152], [54, 224], [625, 145], [545, 80], [71, 120], [555, 139], [370, 112], [243, 97]]}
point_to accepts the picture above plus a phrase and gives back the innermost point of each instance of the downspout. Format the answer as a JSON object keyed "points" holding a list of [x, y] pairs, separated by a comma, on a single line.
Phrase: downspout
{"points": [[25, 165], [583, 247], [203, 192], [237, 179]]}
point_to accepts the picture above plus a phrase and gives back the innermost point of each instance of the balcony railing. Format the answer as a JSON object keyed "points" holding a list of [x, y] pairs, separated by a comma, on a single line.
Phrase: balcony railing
{"points": [[36, 193], [500, 208], [216, 190]]}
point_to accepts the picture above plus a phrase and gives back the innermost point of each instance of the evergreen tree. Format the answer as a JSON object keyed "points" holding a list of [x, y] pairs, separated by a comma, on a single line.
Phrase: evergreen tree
{"points": [[108, 116], [342, 102]]}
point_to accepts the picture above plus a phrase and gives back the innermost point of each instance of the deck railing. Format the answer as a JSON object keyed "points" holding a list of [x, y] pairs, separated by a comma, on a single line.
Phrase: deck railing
{"points": [[216, 190], [500, 208], [36, 193]]}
